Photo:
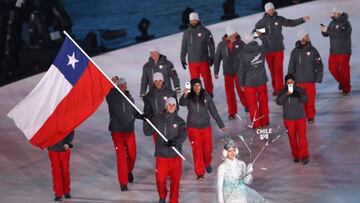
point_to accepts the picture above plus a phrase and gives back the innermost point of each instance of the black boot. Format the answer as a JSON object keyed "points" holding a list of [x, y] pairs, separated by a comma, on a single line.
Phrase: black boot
{"points": [[161, 200], [57, 199], [305, 160], [124, 188], [67, 196], [130, 178], [208, 169], [231, 117]]}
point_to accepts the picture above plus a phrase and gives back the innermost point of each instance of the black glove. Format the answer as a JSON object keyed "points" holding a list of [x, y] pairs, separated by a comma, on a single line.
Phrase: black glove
{"points": [[70, 145], [184, 64], [143, 116], [171, 143], [211, 62]]}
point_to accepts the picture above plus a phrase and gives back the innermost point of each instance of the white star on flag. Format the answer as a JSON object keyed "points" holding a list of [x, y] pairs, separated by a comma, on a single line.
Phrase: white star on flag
{"points": [[72, 60]]}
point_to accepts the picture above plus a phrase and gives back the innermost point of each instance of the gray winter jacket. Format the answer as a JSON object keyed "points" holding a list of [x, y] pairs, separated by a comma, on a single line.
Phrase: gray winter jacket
{"points": [[273, 27], [122, 114], [173, 128], [198, 44], [339, 31], [305, 63], [227, 55], [250, 66], [293, 107], [154, 101], [59, 147], [163, 66], [198, 114]]}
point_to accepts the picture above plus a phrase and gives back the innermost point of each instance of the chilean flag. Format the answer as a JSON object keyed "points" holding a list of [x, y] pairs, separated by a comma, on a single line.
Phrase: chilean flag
{"points": [[70, 91]]}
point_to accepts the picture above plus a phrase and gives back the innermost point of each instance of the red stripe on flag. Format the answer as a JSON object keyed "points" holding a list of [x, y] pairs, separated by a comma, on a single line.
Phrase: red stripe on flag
{"points": [[82, 100]]}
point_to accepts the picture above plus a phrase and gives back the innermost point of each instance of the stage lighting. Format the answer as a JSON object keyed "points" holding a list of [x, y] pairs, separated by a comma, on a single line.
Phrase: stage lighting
{"points": [[143, 27]]}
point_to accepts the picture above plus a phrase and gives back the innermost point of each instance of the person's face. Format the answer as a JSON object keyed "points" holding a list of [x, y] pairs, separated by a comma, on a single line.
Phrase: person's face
{"points": [[123, 87], [158, 84], [232, 37], [231, 153], [154, 55], [290, 81], [193, 22], [115, 79], [196, 88], [334, 15], [270, 12], [170, 108], [305, 40]]}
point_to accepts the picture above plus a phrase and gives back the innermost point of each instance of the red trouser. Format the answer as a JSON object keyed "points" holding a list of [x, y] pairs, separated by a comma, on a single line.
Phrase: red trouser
{"points": [[340, 69], [275, 63], [201, 143], [296, 130], [171, 167], [309, 106], [230, 94], [154, 137], [60, 172], [125, 148], [202, 68], [257, 99]]}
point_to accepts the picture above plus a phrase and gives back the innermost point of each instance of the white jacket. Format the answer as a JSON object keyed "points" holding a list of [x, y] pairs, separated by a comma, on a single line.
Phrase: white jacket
{"points": [[233, 170]]}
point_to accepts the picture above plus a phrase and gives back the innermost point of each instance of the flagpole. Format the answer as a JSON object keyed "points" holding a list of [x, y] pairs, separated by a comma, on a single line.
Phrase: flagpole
{"points": [[132, 104]]}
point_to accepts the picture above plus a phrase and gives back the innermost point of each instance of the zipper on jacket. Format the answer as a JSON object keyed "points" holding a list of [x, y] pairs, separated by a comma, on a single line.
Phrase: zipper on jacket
{"points": [[156, 104], [226, 50], [197, 105], [191, 39], [289, 99], [123, 106], [299, 58], [269, 29], [165, 130]]}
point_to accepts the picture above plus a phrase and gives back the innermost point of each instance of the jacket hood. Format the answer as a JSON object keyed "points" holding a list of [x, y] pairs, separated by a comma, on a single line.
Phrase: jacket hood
{"points": [[161, 59], [252, 47], [267, 16], [342, 17], [199, 24], [224, 38], [300, 46]]}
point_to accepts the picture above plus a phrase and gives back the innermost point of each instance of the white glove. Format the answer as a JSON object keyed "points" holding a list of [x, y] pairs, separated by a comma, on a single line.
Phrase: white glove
{"points": [[249, 168]]}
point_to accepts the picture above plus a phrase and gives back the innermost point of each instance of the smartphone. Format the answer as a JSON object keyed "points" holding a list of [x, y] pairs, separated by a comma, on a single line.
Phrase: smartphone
{"points": [[261, 30], [291, 88], [188, 86]]}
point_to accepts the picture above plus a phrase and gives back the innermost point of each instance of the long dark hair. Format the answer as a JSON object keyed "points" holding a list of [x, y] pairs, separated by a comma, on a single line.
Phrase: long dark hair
{"points": [[192, 95]]}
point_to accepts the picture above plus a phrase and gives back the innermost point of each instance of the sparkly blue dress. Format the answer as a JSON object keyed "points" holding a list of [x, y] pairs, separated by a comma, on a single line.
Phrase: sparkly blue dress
{"points": [[230, 189]]}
